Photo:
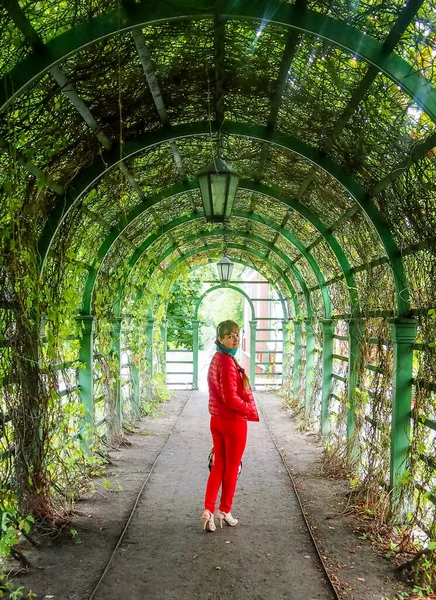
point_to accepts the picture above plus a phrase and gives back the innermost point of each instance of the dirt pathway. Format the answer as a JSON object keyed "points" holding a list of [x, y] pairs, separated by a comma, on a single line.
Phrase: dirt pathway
{"points": [[165, 554]]}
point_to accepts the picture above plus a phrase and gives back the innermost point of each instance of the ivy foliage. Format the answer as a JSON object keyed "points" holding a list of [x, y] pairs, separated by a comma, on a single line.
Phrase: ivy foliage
{"points": [[180, 311], [100, 214]]}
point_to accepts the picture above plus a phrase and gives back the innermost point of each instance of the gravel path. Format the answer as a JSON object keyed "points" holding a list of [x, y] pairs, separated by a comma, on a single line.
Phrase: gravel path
{"points": [[166, 555]]}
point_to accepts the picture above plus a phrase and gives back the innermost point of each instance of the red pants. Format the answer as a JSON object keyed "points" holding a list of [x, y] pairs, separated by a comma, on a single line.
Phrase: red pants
{"points": [[229, 439]]}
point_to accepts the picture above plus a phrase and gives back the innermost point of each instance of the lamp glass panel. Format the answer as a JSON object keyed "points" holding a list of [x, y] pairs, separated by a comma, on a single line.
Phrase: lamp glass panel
{"points": [[225, 270], [233, 186], [205, 194], [218, 184], [219, 268]]}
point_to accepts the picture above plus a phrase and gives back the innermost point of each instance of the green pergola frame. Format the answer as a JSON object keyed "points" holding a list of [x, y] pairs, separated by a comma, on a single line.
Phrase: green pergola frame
{"points": [[90, 282], [220, 233], [131, 16], [281, 298], [380, 56], [129, 149], [173, 191], [253, 322], [200, 250]]}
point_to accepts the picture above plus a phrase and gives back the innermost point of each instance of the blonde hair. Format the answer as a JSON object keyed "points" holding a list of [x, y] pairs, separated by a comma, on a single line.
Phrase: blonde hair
{"points": [[225, 328]]}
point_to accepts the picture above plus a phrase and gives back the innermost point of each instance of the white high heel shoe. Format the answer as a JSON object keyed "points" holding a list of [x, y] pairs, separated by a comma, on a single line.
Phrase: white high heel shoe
{"points": [[227, 517], [208, 521]]}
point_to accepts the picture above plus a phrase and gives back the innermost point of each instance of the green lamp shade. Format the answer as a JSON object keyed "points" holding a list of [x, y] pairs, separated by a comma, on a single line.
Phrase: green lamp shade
{"points": [[218, 185], [224, 268]]}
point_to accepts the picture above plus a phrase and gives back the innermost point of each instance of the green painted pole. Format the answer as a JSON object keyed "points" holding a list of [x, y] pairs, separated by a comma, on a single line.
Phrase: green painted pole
{"points": [[253, 326], [327, 373], [297, 357], [195, 348], [356, 331], [284, 350], [403, 334], [164, 335], [86, 378], [310, 361], [116, 353], [136, 383], [149, 353]]}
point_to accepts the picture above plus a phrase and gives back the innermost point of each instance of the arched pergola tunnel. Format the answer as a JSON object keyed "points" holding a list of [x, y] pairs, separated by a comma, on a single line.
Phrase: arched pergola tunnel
{"points": [[327, 116], [252, 322]]}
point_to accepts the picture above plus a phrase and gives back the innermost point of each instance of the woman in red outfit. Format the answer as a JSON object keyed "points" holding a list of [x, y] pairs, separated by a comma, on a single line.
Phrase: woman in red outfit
{"points": [[231, 405]]}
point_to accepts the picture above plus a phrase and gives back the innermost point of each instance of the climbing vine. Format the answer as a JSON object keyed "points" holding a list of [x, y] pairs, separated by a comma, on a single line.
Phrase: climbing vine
{"points": [[80, 196]]}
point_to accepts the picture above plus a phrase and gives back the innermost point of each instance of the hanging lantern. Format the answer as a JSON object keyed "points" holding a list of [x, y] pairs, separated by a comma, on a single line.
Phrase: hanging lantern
{"points": [[224, 268], [218, 185]]}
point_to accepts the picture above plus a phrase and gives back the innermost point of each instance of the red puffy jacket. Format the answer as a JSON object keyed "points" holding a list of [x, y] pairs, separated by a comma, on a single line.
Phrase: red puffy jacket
{"points": [[227, 397]]}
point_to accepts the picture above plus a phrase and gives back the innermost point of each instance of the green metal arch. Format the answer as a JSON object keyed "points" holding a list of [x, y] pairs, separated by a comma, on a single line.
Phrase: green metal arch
{"points": [[297, 243], [228, 287], [315, 156], [182, 220], [92, 275], [256, 253], [147, 13], [186, 255], [221, 232], [173, 191], [235, 260], [282, 301], [323, 230]]}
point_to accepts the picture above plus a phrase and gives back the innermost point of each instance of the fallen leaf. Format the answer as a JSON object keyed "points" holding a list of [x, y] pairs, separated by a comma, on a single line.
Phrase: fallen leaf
{"points": [[360, 579], [352, 551]]}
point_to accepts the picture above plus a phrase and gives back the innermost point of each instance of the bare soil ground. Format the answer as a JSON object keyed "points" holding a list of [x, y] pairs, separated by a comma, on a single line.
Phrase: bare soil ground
{"points": [[164, 554]]}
